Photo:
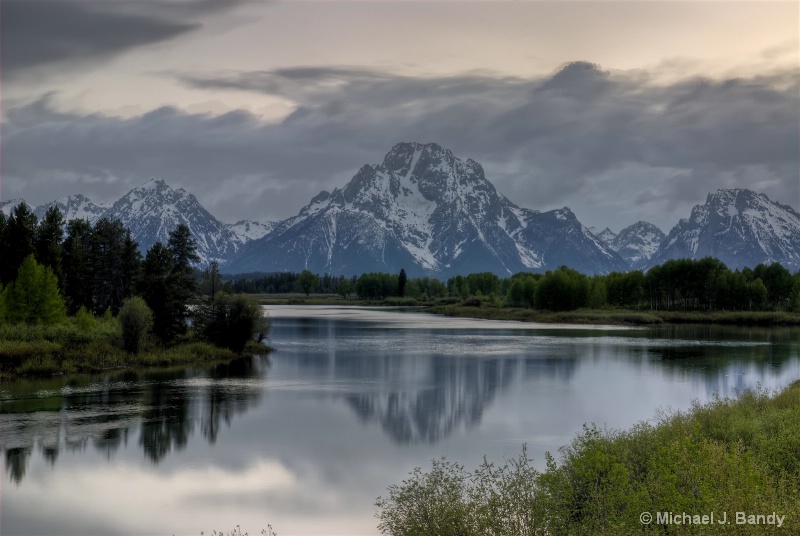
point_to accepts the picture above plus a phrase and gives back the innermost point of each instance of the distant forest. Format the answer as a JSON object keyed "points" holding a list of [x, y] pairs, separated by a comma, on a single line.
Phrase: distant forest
{"points": [[97, 266], [683, 284]]}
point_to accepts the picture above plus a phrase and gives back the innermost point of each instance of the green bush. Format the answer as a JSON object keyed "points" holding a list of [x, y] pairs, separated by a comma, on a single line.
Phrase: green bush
{"points": [[731, 455], [85, 320], [231, 321], [136, 321]]}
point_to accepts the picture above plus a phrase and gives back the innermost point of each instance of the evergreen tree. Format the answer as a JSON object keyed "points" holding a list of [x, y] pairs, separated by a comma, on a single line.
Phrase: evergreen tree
{"points": [[401, 283], [4, 247], [157, 291], [211, 282], [183, 286], [49, 235], [78, 272], [20, 234], [107, 256]]}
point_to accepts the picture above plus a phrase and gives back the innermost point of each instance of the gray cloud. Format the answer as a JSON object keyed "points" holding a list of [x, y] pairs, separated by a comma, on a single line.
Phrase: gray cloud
{"points": [[65, 32], [614, 146]]}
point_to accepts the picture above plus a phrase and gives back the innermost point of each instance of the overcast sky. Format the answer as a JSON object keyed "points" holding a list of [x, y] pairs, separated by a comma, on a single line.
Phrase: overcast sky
{"points": [[621, 111]]}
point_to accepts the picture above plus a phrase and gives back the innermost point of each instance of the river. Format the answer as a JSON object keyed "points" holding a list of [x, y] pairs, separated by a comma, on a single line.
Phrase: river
{"points": [[351, 401]]}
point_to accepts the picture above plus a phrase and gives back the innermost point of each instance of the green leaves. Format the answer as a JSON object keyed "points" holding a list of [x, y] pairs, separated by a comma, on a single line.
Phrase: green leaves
{"points": [[34, 297]]}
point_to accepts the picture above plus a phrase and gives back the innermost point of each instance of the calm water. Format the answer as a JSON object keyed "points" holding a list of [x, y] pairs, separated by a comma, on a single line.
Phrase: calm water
{"points": [[350, 402]]}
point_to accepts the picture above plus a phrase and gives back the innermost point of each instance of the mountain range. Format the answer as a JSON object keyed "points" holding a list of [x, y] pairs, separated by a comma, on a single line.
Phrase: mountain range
{"points": [[430, 212]]}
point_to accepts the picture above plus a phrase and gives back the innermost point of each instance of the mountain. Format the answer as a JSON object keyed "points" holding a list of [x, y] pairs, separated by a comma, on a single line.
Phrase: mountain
{"points": [[606, 235], [637, 243], [247, 230], [74, 207], [6, 207], [740, 227], [154, 209], [429, 212]]}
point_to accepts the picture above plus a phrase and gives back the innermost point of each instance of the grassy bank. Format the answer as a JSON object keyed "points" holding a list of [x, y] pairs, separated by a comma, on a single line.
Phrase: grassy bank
{"points": [[728, 456], [623, 317], [92, 345], [483, 308]]}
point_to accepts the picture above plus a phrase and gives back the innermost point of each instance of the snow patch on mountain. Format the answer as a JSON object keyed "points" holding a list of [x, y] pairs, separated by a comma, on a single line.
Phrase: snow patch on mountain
{"points": [[74, 207], [246, 230], [740, 227], [637, 243], [154, 209], [424, 209], [7, 207]]}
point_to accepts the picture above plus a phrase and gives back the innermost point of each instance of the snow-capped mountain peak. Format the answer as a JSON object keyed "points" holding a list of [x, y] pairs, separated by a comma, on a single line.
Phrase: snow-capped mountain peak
{"points": [[421, 208], [153, 210], [637, 243], [7, 207], [740, 227], [74, 207]]}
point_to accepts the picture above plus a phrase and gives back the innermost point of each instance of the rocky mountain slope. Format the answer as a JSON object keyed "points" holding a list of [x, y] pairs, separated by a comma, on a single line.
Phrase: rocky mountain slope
{"points": [[637, 243], [74, 207], [740, 227], [427, 211], [154, 209]]}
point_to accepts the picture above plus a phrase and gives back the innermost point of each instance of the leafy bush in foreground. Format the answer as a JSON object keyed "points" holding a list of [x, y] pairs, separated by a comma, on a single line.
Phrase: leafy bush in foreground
{"points": [[730, 456]]}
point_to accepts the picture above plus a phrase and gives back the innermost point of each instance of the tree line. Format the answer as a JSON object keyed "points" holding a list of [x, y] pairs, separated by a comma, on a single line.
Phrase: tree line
{"points": [[51, 268], [682, 284]]}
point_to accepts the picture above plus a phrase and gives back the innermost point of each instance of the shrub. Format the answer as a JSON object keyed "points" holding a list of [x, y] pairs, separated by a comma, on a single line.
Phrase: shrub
{"points": [[725, 456], [84, 320], [136, 321], [473, 301], [231, 321]]}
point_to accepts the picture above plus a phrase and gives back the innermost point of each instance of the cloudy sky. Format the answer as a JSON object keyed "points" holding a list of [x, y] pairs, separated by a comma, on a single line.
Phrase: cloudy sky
{"points": [[621, 111]]}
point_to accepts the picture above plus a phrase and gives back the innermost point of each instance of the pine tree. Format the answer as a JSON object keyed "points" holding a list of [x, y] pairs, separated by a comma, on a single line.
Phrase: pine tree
{"points": [[78, 272], [183, 286], [401, 282], [48, 239], [157, 291], [212, 282], [19, 243], [112, 266]]}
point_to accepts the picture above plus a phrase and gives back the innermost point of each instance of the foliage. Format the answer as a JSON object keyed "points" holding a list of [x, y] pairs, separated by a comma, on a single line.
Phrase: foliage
{"points": [[726, 456], [211, 282], [85, 320], [306, 281], [17, 241], [136, 320], [156, 289], [344, 288], [402, 279], [113, 265], [33, 297], [47, 241], [231, 321]]}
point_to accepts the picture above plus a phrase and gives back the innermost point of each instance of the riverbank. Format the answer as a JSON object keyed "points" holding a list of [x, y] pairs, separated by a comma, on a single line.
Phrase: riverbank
{"points": [[75, 346], [735, 459], [483, 310], [622, 317]]}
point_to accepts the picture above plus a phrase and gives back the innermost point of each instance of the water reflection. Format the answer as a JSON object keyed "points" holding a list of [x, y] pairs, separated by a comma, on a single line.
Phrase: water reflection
{"points": [[164, 407], [351, 403]]}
